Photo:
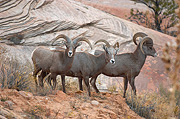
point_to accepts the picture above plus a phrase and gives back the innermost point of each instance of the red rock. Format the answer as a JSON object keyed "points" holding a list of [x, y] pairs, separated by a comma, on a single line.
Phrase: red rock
{"points": [[9, 104], [26, 95]]}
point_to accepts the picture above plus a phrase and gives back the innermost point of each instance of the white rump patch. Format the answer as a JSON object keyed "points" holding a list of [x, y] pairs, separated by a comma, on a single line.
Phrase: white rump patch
{"points": [[52, 48]]}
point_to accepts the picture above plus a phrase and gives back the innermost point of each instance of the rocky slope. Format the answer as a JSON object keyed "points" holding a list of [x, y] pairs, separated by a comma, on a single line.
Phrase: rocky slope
{"points": [[23, 105], [36, 22]]}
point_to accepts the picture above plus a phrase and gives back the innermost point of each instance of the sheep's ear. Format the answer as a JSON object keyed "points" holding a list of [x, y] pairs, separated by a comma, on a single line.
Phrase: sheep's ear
{"points": [[64, 43], [78, 44], [140, 39], [105, 48], [117, 50], [116, 45]]}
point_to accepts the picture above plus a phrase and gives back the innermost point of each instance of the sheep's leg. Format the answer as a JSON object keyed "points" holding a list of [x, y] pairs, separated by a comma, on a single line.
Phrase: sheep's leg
{"points": [[132, 85], [49, 80], [53, 76], [86, 81], [80, 84], [41, 77], [63, 83], [93, 83], [35, 72], [125, 86]]}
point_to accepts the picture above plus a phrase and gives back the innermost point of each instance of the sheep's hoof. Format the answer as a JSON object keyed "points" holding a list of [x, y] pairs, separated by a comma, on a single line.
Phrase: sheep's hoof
{"points": [[79, 92]]}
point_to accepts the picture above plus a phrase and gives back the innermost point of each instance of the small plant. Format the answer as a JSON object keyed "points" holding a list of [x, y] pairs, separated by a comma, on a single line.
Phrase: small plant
{"points": [[112, 88], [141, 105], [70, 114], [13, 75], [35, 111], [153, 105], [3, 99]]}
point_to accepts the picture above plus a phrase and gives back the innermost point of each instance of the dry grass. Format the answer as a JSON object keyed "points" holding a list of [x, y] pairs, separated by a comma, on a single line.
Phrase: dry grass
{"points": [[70, 84], [13, 75], [153, 105]]}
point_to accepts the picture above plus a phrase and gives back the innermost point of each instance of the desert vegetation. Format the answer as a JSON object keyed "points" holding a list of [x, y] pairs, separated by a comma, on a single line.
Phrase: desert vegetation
{"points": [[14, 75], [161, 15], [154, 105]]}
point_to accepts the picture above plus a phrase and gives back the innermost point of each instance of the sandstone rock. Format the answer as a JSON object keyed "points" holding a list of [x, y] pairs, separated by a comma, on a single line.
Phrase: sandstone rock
{"points": [[74, 106], [61, 95], [94, 102], [85, 105], [2, 117], [8, 113], [110, 113], [26, 95], [9, 104]]}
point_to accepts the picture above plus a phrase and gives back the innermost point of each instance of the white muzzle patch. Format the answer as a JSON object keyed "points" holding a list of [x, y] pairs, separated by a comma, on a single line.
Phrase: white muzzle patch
{"points": [[112, 61], [70, 53], [155, 54]]}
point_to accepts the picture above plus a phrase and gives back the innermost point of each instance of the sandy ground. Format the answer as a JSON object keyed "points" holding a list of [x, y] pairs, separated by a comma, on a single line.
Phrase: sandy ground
{"points": [[58, 105]]}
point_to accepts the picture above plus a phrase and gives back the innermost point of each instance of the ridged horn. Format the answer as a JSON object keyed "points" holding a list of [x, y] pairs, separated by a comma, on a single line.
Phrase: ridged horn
{"points": [[138, 34], [61, 36], [102, 40], [145, 39], [82, 39], [116, 45]]}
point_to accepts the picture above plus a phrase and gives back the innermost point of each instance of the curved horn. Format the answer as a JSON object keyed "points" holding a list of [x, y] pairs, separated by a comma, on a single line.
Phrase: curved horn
{"points": [[116, 45], [138, 34], [102, 40], [145, 39], [61, 36], [82, 39]]}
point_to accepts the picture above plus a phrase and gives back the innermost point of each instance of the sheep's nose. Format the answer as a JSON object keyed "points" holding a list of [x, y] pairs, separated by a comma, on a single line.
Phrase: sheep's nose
{"points": [[70, 53], [155, 54], [112, 61]]}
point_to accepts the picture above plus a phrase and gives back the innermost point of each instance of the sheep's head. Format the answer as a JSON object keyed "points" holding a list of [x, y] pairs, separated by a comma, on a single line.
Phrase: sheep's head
{"points": [[146, 44], [111, 51], [71, 45]]}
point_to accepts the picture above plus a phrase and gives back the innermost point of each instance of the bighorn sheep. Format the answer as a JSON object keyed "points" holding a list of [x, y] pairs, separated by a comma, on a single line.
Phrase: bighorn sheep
{"points": [[56, 62], [128, 65], [86, 65]]}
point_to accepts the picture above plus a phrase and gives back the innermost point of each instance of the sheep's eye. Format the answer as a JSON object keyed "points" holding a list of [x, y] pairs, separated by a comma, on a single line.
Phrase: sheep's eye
{"points": [[150, 48], [108, 52], [117, 51], [66, 44]]}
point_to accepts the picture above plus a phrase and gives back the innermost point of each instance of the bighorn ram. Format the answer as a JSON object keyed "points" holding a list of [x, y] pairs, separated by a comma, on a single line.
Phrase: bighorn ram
{"points": [[128, 65], [56, 62], [86, 65]]}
